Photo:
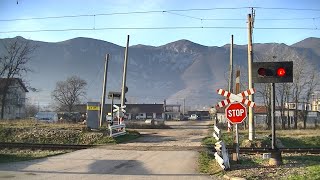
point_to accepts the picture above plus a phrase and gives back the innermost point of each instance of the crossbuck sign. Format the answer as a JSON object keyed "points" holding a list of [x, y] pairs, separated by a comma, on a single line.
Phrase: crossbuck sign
{"points": [[236, 112], [236, 97]]}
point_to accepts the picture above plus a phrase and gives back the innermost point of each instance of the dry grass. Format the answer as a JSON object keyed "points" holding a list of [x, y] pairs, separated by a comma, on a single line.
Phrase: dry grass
{"points": [[24, 123]]}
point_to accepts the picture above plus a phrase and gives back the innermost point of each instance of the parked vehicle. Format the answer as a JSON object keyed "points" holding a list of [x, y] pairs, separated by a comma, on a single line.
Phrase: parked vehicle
{"points": [[141, 116], [49, 117], [194, 117], [108, 117]]}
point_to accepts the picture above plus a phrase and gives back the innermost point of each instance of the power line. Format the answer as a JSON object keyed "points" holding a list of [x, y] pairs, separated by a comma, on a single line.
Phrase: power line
{"points": [[155, 11], [192, 17], [157, 28], [261, 19], [290, 9], [119, 13]]}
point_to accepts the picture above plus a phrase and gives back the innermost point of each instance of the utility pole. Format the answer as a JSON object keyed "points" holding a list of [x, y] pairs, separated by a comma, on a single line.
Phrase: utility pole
{"points": [[231, 67], [230, 86], [102, 115], [251, 98], [124, 76], [165, 109], [184, 106]]}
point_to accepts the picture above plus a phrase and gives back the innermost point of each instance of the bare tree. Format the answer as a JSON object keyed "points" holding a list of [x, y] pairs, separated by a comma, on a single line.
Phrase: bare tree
{"points": [[312, 82], [68, 93], [13, 64], [31, 109], [299, 83], [282, 96], [263, 92]]}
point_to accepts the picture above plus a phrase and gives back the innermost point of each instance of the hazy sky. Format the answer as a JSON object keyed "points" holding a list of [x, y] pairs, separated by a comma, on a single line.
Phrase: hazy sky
{"points": [[218, 35]]}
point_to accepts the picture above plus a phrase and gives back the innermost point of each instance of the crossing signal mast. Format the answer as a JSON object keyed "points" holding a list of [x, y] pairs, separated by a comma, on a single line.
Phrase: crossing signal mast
{"points": [[273, 72]]}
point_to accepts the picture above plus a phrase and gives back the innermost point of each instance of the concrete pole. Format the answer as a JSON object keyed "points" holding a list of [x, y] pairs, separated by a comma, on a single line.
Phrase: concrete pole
{"points": [[124, 76], [102, 114], [165, 109], [251, 98], [276, 158], [230, 86], [184, 106]]}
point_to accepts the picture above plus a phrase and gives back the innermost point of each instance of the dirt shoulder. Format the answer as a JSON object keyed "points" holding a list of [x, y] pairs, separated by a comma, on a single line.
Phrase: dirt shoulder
{"points": [[182, 133]]}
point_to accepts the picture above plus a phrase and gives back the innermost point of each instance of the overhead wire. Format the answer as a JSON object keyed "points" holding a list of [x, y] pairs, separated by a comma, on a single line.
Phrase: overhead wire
{"points": [[119, 13], [154, 11], [158, 28], [173, 12]]}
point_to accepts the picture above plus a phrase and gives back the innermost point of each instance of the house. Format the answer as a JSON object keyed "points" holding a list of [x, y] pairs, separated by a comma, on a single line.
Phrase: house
{"points": [[144, 111], [172, 111], [134, 111], [15, 98]]}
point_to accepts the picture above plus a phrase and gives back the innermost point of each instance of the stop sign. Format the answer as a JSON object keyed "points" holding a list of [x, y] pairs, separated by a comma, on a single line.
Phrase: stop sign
{"points": [[236, 113]]}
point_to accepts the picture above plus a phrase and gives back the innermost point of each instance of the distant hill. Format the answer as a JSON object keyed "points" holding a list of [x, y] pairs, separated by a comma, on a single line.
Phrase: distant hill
{"points": [[174, 71]]}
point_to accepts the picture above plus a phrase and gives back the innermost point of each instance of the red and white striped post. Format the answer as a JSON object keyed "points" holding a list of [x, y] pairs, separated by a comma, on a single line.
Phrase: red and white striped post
{"points": [[235, 156]]}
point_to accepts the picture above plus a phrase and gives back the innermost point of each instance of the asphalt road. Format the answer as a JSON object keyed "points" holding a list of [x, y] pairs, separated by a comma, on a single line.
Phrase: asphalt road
{"points": [[133, 160]]}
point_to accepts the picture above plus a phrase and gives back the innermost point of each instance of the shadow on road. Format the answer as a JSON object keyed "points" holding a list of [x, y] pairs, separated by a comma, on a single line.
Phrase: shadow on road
{"points": [[153, 138], [121, 167]]}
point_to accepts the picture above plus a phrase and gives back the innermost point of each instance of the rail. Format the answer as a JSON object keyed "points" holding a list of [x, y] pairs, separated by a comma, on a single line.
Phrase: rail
{"points": [[44, 146], [314, 150]]}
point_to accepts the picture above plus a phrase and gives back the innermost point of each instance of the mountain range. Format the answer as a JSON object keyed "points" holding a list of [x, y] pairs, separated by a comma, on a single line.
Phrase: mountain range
{"points": [[178, 71]]}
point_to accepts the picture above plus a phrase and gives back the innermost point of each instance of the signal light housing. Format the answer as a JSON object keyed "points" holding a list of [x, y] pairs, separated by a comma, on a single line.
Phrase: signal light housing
{"points": [[272, 72]]}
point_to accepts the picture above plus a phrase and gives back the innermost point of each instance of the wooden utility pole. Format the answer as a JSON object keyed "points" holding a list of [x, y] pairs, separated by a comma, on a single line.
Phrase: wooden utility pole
{"points": [[231, 67], [102, 114], [251, 113], [124, 76], [230, 86]]}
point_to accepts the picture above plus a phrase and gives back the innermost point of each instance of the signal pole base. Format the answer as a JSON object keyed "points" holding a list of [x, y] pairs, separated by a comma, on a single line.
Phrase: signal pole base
{"points": [[235, 158], [276, 158]]}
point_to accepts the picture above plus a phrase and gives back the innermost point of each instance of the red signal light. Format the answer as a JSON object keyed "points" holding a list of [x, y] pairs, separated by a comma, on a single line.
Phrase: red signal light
{"points": [[281, 72], [262, 71]]}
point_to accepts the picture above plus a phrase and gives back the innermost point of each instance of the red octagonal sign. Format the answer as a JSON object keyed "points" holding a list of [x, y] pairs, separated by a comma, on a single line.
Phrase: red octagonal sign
{"points": [[236, 113]]}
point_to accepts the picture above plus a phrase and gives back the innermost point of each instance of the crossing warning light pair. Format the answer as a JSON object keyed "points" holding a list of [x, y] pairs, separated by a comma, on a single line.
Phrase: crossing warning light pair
{"points": [[280, 72], [272, 72]]}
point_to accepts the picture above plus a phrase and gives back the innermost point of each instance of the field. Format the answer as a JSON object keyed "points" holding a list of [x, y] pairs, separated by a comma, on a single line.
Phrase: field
{"points": [[252, 166], [27, 131]]}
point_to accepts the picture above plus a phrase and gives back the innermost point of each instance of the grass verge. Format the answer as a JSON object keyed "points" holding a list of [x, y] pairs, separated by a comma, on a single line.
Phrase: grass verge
{"points": [[306, 142], [131, 135], [14, 155], [310, 166], [208, 165]]}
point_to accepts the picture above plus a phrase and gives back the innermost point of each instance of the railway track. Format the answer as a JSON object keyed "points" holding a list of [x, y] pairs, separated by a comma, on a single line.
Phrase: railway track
{"points": [[283, 150], [44, 146], [315, 150]]}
